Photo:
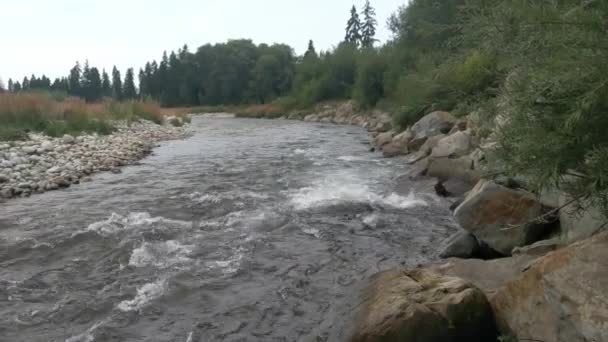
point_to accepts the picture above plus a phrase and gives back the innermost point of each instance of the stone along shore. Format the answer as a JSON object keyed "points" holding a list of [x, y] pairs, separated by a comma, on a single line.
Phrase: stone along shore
{"points": [[44, 164], [525, 266]]}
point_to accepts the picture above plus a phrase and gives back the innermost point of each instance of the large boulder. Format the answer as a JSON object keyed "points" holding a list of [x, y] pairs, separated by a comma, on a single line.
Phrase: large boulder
{"points": [[384, 138], [461, 245], [448, 168], [561, 297], [423, 306], [453, 146], [502, 218], [398, 145], [431, 125]]}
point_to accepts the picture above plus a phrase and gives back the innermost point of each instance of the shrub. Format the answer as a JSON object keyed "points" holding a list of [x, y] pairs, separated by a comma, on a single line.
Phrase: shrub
{"points": [[369, 85], [175, 122]]}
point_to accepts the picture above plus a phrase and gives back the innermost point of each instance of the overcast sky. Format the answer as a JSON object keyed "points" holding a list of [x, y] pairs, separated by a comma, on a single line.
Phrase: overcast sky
{"points": [[48, 36]]}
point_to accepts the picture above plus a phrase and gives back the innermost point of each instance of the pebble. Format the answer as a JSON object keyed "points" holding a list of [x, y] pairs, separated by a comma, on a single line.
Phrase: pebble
{"points": [[43, 163]]}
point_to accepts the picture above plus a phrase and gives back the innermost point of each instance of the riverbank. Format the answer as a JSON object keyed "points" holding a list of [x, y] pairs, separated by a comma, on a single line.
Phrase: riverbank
{"points": [[513, 272], [42, 163]]}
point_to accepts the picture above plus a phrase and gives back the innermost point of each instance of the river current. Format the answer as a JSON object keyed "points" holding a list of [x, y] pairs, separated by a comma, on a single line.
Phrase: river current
{"points": [[249, 230]]}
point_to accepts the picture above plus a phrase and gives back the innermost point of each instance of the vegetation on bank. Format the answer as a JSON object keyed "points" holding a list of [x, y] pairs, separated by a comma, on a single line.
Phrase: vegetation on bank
{"points": [[38, 112]]}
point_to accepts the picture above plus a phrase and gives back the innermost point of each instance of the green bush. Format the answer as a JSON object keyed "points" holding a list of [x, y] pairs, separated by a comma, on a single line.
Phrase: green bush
{"points": [[369, 85], [175, 122]]}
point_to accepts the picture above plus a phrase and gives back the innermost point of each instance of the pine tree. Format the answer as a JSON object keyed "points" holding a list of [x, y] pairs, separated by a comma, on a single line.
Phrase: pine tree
{"points": [[369, 26], [143, 83], [116, 85], [74, 87], [353, 28], [106, 86], [2, 86], [17, 87], [129, 91], [95, 86], [11, 86], [310, 52], [25, 85]]}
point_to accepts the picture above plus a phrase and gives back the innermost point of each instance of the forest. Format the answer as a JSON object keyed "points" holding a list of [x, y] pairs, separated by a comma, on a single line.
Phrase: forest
{"points": [[537, 67]]}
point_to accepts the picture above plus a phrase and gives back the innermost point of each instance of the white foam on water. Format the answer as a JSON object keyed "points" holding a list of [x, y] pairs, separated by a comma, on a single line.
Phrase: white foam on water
{"points": [[197, 197], [190, 338], [161, 255], [117, 223], [351, 158], [230, 265], [371, 220], [144, 296], [312, 231], [343, 187], [87, 336]]}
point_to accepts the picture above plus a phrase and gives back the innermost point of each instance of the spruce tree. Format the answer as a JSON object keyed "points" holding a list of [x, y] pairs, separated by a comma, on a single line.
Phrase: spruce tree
{"points": [[143, 83], [310, 52], [74, 88], [2, 86], [17, 87], [369, 26], [11, 86], [129, 92], [116, 85], [106, 86], [95, 86], [353, 28], [25, 85]]}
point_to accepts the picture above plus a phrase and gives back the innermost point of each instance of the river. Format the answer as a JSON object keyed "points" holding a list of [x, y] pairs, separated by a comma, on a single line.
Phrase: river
{"points": [[249, 230]]}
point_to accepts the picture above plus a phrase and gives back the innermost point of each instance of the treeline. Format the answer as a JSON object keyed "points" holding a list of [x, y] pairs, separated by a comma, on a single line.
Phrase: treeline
{"points": [[236, 72]]}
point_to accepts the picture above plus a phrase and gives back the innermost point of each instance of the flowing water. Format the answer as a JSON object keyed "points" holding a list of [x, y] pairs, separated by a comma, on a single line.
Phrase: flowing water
{"points": [[250, 230]]}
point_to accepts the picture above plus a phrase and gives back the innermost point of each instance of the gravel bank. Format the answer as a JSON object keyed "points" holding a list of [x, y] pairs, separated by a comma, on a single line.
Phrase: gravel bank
{"points": [[44, 164]]}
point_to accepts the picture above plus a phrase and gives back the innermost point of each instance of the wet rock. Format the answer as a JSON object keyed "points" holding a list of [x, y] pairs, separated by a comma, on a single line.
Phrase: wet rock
{"points": [[502, 218], [441, 191], [431, 125], [561, 297], [4, 178], [461, 245], [421, 305]]}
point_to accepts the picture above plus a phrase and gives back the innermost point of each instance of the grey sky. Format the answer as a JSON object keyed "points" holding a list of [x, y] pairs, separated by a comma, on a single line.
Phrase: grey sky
{"points": [[48, 36]]}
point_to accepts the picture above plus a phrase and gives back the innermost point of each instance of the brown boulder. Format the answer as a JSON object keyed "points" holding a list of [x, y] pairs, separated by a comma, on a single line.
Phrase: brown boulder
{"points": [[561, 297], [423, 306], [502, 218]]}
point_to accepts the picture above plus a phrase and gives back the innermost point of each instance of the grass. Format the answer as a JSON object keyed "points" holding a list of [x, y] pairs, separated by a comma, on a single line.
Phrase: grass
{"points": [[38, 112]]}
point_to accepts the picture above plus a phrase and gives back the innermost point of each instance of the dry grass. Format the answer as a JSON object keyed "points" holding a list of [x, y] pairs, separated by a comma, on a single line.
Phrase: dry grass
{"points": [[25, 112]]}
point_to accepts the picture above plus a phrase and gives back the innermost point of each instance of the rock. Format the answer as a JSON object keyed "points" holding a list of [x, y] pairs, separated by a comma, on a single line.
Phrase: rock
{"points": [[453, 146], [462, 245], [422, 306], [4, 178], [578, 220], [457, 187], [6, 193], [441, 191], [29, 149], [61, 182], [561, 297], [502, 218], [47, 146], [426, 148], [54, 169], [539, 248], [68, 139], [446, 168], [392, 150], [384, 138], [432, 124]]}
